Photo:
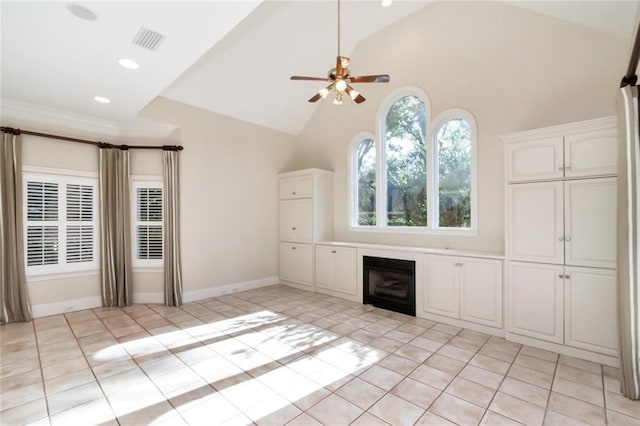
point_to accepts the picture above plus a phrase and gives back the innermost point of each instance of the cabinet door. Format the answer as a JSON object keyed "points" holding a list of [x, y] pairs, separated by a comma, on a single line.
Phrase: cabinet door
{"points": [[591, 153], [591, 314], [296, 263], [287, 262], [535, 229], [535, 301], [336, 269], [441, 295], [347, 271], [296, 220], [326, 258], [296, 187], [481, 291], [540, 159], [590, 222]]}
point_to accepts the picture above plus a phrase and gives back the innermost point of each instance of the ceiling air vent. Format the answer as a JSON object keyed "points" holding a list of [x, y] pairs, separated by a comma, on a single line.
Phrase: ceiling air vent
{"points": [[148, 39]]}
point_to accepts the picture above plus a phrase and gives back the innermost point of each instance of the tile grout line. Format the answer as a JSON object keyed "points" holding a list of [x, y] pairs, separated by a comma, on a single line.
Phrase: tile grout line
{"points": [[44, 389]]}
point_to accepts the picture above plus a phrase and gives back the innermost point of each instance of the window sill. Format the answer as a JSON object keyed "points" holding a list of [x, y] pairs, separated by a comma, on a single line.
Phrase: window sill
{"points": [[466, 232], [61, 275]]}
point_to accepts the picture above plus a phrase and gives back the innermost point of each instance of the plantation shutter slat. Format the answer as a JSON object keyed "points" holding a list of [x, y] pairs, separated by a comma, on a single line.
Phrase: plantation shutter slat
{"points": [[80, 232]]}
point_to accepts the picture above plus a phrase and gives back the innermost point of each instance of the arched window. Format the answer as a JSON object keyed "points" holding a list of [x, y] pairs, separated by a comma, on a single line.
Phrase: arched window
{"points": [[366, 166], [417, 175], [405, 145]]}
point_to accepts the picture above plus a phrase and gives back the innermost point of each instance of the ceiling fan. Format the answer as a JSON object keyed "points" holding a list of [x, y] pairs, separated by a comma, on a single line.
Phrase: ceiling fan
{"points": [[340, 77]]}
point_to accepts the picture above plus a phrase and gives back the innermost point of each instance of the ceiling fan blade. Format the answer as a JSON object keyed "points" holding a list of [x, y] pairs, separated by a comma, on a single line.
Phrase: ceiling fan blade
{"points": [[299, 77], [355, 95], [315, 98], [342, 63], [382, 78]]}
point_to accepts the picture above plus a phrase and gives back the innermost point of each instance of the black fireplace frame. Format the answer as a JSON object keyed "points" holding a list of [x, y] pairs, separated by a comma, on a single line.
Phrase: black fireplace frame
{"points": [[390, 265]]}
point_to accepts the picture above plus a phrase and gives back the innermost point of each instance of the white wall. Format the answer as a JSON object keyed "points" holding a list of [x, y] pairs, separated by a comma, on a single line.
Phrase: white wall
{"points": [[513, 69], [228, 195]]}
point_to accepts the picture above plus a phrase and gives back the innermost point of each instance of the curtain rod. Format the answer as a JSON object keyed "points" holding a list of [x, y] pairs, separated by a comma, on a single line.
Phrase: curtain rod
{"points": [[630, 79], [84, 141]]}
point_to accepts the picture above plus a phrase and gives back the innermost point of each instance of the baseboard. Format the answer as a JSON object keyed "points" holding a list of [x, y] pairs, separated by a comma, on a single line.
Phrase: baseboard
{"points": [[192, 296], [65, 306], [148, 297]]}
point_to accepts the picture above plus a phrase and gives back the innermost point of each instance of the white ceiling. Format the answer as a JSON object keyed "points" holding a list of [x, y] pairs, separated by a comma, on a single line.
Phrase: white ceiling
{"points": [[229, 57]]}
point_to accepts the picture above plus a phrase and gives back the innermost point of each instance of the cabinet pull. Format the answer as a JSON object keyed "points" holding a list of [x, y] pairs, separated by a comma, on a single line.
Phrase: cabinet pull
{"points": [[567, 276], [560, 238], [333, 251], [294, 228], [567, 238], [560, 168], [459, 265], [560, 276], [293, 193], [293, 248]]}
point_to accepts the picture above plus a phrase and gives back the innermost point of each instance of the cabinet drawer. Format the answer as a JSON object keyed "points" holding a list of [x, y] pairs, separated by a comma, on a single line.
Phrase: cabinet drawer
{"points": [[296, 187]]}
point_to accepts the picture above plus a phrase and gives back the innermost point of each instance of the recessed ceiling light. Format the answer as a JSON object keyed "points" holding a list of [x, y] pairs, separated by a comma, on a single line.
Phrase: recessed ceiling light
{"points": [[81, 12], [102, 99], [128, 63], [386, 3]]}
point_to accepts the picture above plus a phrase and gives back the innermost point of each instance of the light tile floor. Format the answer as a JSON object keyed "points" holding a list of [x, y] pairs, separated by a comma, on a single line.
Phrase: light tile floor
{"points": [[277, 356]]}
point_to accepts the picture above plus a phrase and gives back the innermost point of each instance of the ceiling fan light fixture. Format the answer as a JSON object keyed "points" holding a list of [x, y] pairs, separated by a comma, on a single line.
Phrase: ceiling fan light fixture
{"points": [[354, 94], [338, 99], [341, 85], [323, 92]]}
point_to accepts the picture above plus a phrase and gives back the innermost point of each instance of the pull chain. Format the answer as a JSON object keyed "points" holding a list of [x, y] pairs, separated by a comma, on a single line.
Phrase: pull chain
{"points": [[338, 27]]}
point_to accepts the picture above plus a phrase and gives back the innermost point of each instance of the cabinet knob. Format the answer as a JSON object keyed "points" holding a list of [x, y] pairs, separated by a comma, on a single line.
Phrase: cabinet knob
{"points": [[567, 276], [567, 238], [560, 238], [294, 228], [293, 193], [293, 248], [560, 168], [560, 275], [459, 264], [333, 251]]}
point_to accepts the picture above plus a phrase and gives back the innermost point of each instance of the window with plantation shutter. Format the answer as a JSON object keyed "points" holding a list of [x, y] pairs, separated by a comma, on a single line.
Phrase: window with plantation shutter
{"points": [[80, 223], [147, 223], [60, 223]]}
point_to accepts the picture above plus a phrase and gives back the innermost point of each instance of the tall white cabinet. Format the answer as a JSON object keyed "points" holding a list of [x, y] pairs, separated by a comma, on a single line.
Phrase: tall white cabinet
{"points": [[561, 236], [306, 217]]}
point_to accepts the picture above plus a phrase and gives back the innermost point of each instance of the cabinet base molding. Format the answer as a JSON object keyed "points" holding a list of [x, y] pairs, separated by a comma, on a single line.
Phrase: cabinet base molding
{"points": [[565, 350], [297, 285], [498, 332], [335, 293]]}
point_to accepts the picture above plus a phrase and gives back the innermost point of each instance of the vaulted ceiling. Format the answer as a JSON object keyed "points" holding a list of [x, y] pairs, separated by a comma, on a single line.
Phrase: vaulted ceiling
{"points": [[229, 57]]}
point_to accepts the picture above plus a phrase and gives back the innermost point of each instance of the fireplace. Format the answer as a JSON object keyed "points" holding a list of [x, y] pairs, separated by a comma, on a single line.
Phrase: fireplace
{"points": [[390, 284]]}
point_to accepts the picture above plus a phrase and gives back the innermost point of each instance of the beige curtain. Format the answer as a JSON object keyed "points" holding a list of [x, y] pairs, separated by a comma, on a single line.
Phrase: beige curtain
{"points": [[629, 243], [14, 296], [115, 229], [171, 229]]}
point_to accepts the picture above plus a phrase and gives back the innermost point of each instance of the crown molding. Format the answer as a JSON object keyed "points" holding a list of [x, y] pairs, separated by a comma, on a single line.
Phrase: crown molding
{"points": [[133, 127]]}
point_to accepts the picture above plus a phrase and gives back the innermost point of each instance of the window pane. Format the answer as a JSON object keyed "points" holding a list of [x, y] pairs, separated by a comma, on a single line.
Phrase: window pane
{"points": [[79, 243], [366, 182], [149, 241], [454, 174], [42, 245], [405, 151], [42, 201], [79, 202]]}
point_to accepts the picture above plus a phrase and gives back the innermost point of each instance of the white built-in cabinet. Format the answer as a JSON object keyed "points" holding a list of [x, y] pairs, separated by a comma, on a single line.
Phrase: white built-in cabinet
{"points": [[336, 270], [306, 216], [465, 288], [561, 235]]}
